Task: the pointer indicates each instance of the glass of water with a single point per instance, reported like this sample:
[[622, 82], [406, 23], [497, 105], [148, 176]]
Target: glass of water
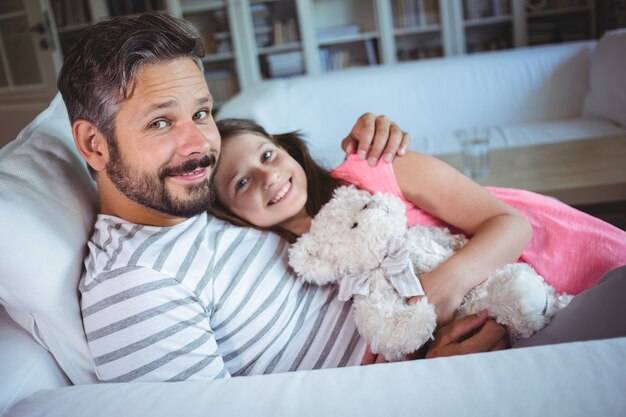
[[475, 151]]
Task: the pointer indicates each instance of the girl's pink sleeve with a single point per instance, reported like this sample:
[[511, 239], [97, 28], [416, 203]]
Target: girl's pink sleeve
[[380, 178]]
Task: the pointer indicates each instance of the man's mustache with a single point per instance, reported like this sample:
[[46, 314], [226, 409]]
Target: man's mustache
[[206, 161]]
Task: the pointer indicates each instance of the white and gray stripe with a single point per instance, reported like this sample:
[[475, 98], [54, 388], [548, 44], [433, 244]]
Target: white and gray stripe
[[204, 299]]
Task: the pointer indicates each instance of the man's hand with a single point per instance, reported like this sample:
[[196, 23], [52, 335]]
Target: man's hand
[[375, 136], [370, 357], [456, 338]]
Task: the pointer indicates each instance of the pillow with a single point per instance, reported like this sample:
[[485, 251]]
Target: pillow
[[48, 204], [607, 90]]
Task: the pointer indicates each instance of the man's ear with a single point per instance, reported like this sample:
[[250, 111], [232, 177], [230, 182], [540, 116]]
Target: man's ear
[[91, 144]]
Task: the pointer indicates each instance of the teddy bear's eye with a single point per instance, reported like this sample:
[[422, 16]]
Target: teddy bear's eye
[[354, 225], [365, 206]]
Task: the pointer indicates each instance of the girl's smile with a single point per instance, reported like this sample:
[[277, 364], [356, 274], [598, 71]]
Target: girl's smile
[[281, 193]]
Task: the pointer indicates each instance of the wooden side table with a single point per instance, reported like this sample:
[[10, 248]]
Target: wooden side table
[[581, 172]]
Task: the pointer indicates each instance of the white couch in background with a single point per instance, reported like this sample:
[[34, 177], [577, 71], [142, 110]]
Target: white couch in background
[[529, 96], [47, 207]]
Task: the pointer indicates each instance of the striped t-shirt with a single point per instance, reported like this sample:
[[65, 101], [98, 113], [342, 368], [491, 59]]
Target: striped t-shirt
[[205, 299]]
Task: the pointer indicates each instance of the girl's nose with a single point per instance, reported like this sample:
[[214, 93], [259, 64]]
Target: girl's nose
[[268, 177]]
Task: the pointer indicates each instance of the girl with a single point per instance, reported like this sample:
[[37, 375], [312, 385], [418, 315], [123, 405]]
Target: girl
[[271, 182]]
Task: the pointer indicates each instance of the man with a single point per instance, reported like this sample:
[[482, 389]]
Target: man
[[168, 292]]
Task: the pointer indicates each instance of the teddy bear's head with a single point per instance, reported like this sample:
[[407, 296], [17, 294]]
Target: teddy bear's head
[[350, 235]]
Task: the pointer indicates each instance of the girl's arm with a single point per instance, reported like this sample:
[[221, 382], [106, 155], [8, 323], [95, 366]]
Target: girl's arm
[[499, 233]]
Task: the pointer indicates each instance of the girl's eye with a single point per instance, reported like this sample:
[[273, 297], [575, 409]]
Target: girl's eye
[[266, 155], [158, 124], [241, 183], [202, 114]]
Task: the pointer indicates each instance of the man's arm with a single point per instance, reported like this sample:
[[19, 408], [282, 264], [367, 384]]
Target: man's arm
[[375, 136], [144, 326]]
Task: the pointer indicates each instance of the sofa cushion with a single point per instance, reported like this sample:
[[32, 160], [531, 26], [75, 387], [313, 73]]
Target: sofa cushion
[[26, 367], [428, 99], [48, 204], [571, 379], [522, 134], [607, 90]]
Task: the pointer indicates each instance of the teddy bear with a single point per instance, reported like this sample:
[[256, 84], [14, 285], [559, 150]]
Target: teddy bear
[[361, 241]]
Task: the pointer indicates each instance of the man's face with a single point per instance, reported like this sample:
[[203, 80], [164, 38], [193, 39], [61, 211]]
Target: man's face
[[166, 141]]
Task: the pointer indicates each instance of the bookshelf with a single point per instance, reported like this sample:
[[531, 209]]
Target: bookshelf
[[72, 16], [213, 19], [346, 33], [418, 30], [248, 41], [488, 25], [552, 21], [277, 38]]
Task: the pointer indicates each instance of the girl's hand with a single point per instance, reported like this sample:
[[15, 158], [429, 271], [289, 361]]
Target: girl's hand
[[373, 136]]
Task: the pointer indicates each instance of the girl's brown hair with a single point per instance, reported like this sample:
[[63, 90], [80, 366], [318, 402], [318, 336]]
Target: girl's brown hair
[[320, 184]]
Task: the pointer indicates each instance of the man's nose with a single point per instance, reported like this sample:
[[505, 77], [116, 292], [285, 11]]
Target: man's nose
[[191, 140]]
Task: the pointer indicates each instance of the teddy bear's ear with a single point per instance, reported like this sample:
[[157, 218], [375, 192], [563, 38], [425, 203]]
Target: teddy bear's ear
[[307, 259]]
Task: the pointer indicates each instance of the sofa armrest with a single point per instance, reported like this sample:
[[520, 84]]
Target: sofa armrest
[[570, 379], [26, 367]]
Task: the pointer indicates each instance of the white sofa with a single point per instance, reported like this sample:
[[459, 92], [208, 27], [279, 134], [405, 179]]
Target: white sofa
[[528, 96], [47, 206]]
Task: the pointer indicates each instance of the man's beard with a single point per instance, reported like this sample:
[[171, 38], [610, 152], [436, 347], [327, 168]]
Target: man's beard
[[150, 191]]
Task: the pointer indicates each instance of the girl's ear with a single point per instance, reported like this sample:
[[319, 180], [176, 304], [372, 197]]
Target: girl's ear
[[91, 144]]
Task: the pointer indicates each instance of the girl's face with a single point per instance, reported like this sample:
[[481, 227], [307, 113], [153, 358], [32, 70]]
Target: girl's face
[[260, 182]]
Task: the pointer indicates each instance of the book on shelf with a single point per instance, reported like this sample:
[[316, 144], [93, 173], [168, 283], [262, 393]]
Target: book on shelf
[[420, 52], [270, 30], [370, 50], [493, 44], [479, 9], [334, 59], [216, 42], [70, 12], [336, 32], [284, 31], [222, 84], [124, 7], [556, 4], [197, 4], [411, 13], [565, 29], [285, 64]]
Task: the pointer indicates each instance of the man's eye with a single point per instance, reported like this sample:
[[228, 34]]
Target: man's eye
[[241, 183], [158, 124], [202, 114], [266, 155]]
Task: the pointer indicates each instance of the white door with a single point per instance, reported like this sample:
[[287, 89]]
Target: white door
[[30, 59]]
